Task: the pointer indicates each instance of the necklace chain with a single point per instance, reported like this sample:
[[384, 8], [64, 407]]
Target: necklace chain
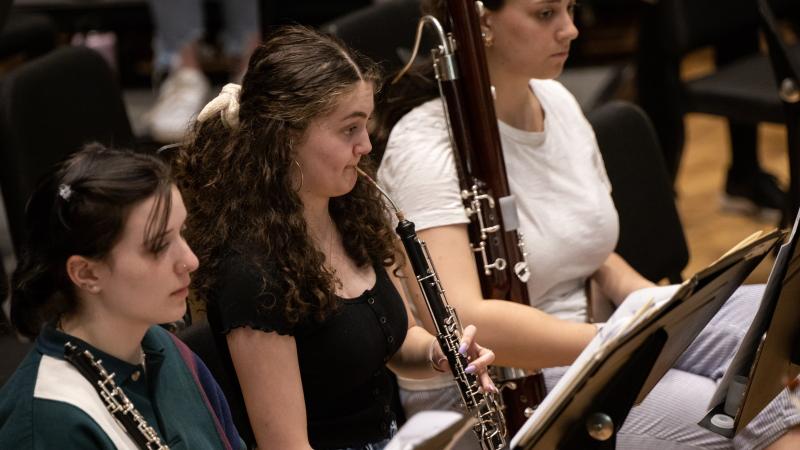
[[331, 257]]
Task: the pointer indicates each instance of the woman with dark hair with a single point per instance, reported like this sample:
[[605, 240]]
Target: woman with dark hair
[[570, 226], [104, 262], [298, 249]]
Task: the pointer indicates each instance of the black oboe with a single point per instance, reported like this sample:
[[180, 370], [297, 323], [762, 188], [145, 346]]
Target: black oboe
[[115, 400], [490, 425]]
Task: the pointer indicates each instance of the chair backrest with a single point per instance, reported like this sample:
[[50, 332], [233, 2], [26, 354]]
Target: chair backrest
[[651, 235], [212, 349], [4, 285], [49, 108], [784, 66], [785, 62], [383, 31], [5, 6], [685, 25]]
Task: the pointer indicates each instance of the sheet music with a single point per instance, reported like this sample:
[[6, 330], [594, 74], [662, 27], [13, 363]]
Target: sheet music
[[740, 365], [424, 426], [635, 309]]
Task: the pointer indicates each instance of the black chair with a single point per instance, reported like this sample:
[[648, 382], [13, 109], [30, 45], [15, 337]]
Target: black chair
[[23, 34], [740, 89], [383, 31], [651, 236], [4, 284], [785, 61], [5, 8], [12, 350], [213, 350], [49, 108], [27, 36]]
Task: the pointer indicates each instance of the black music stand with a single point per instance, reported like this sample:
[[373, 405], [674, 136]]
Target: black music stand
[[770, 352], [590, 405]]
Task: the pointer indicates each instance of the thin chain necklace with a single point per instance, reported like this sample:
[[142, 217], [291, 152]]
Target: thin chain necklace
[[331, 256], [331, 259]]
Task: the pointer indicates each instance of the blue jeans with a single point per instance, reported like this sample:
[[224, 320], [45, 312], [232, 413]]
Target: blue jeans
[[179, 22]]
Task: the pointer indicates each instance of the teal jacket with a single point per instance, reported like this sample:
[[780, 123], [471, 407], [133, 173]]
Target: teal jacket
[[47, 404]]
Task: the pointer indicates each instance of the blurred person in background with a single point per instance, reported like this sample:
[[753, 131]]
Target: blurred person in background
[[179, 26]]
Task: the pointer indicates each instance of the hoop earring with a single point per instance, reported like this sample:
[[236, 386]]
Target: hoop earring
[[299, 169]]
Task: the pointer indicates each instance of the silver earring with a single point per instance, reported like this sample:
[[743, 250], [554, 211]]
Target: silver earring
[[488, 38], [299, 169]]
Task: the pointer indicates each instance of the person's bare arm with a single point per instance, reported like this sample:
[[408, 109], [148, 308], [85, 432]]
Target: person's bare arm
[[616, 279], [519, 335], [269, 376], [421, 351]]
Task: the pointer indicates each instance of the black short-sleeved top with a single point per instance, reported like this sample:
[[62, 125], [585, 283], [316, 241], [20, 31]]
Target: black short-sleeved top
[[347, 387]]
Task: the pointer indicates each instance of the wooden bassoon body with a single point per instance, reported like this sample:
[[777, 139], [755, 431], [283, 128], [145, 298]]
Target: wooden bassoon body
[[465, 88]]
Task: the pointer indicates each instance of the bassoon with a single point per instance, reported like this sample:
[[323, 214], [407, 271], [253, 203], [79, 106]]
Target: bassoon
[[463, 78]]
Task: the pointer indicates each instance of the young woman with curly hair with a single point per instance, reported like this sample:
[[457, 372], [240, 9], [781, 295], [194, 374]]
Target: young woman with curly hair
[[298, 251]]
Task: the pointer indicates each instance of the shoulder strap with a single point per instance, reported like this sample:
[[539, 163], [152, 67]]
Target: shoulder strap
[[59, 381]]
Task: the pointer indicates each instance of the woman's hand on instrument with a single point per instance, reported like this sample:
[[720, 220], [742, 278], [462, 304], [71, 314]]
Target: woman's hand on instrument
[[478, 358]]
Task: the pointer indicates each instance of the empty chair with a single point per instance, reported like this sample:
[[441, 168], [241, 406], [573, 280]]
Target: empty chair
[[785, 61], [25, 35], [12, 350], [49, 108], [383, 31], [739, 89]]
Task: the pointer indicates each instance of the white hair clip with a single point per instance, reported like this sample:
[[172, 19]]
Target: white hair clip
[[64, 191], [226, 104]]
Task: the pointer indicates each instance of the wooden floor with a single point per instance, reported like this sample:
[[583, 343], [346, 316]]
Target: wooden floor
[[710, 231]]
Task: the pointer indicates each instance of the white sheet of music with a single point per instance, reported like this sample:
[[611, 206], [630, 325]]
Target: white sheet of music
[[426, 425]]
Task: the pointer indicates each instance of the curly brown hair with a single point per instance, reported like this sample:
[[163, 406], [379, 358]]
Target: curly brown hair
[[238, 182]]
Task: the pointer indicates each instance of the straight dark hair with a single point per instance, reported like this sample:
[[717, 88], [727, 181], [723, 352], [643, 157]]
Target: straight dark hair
[[81, 208]]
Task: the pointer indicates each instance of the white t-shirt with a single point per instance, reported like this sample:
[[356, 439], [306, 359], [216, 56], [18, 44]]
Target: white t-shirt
[[558, 177]]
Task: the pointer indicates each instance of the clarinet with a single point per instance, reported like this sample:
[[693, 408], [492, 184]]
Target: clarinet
[[490, 427], [499, 247], [116, 402]]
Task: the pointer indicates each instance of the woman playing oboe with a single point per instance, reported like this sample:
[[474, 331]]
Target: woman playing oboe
[[104, 262], [570, 226], [298, 249]]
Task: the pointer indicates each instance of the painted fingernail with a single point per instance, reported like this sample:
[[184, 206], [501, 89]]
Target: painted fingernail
[[463, 349], [470, 368]]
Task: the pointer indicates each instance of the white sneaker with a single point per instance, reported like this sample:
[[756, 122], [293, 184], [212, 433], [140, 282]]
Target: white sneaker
[[180, 98]]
